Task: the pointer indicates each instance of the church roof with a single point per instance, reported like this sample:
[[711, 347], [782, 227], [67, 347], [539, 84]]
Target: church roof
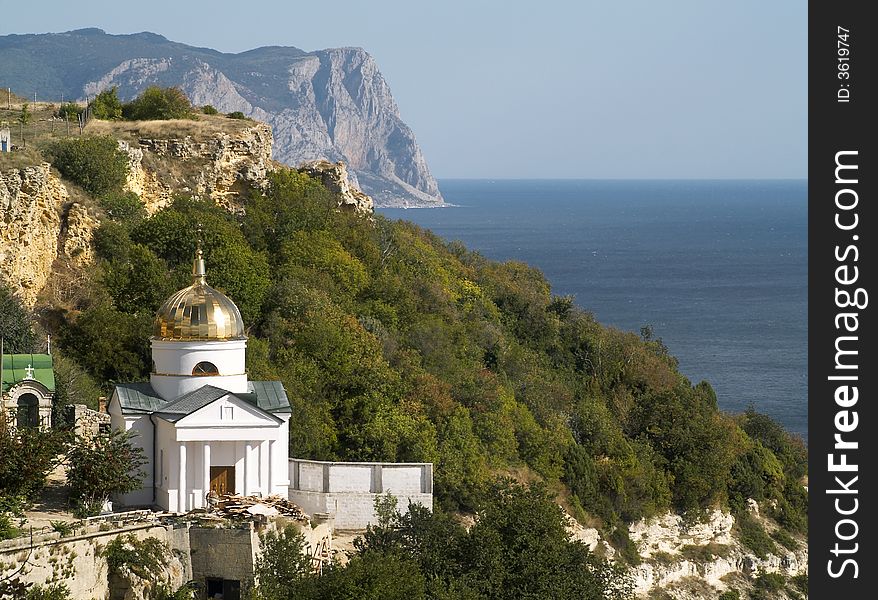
[[189, 403], [16, 368], [269, 396]]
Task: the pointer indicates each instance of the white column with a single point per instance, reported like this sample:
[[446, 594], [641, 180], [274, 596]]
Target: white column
[[248, 467], [206, 474], [181, 493], [264, 483], [271, 454]]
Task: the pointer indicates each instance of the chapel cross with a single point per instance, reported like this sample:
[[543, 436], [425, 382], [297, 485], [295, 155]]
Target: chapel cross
[[29, 372]]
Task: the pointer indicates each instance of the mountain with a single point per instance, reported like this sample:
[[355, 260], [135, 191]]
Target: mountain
[[331, 104]]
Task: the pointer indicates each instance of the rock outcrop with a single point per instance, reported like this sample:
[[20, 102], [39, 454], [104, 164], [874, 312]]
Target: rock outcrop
[[219, 167], [331, 104], [336, 179], [693, 560], [32, 201]]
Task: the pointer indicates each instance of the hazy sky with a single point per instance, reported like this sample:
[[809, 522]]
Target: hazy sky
[[610, 89]]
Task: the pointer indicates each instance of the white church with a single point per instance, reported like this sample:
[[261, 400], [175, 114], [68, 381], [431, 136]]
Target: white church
[[203, 426]]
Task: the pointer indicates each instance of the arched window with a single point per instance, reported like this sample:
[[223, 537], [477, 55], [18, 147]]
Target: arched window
[[205, 368]]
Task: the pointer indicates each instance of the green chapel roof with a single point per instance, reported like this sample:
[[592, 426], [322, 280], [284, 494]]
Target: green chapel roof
[[15, 370]]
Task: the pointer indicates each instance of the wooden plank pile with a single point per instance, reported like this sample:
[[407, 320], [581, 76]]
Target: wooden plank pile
[[233, 506]]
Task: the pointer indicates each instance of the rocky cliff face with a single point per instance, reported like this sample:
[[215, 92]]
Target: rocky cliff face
[[219, 167], [332, 105], [695, 560], [32, 203], [42, 230]]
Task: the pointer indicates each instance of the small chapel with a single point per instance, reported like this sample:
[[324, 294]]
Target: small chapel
[[203, 426]]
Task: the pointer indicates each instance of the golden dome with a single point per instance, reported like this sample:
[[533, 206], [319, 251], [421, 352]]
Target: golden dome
[[198, 312]]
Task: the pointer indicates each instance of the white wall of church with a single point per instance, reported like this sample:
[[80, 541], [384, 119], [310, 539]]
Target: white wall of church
[[175, 360], [142, 427]]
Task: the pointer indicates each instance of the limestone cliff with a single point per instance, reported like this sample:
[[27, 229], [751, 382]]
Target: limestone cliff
[[218, 167], [696, 560], [44, 232], [32, 203], [336, 179], [330, 104]]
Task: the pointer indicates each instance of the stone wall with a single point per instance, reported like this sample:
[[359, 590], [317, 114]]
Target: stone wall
[[86, 422], [346, 492]]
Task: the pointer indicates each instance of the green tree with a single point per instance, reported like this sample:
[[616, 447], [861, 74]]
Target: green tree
[[101, 467], [158, 103], [72, 386], [282, 564], [29, 455], [15, 324], [25, 116], [93, 162], [107, 106], [110, 344]]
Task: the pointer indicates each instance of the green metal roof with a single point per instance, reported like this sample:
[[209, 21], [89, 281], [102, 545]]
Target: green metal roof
[[141, 398], [270, 396], [138, 397], [15, 370]]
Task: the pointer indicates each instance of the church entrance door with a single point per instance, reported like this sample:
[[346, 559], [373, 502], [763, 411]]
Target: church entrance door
[[222, 480]]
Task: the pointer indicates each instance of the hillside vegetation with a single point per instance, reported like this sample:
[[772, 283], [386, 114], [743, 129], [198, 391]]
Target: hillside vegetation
[[395, 345]]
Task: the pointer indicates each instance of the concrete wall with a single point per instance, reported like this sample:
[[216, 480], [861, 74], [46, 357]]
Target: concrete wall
[[347, 491]]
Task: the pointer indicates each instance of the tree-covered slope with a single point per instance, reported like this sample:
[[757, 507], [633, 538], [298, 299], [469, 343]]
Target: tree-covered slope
[[394, 345]]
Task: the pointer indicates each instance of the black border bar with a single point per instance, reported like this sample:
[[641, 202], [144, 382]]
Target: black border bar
[[842, 227]]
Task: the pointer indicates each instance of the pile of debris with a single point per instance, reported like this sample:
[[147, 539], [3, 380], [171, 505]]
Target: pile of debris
[[233, 506]]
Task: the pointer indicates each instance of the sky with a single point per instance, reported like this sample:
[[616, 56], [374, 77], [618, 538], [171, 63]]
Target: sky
[[551, 89]]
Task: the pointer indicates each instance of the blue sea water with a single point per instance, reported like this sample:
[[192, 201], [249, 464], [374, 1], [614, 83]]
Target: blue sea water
[[717, 268]]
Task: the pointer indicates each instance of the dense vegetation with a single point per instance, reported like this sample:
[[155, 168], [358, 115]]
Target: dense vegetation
[[394, 345], [517, 548]]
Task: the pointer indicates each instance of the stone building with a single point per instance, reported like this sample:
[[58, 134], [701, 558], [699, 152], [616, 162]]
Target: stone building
[[202, 424], [27, 390]]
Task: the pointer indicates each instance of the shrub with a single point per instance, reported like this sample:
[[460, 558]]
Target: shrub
[[15, 324], [753, 536], [627, 548], [236, 115], [157, 103], [7, 529], [785, 539], [69, 110], [62, 527], [770, 582], [52, 591], [123, 206], [95, 163], [730, 595], [209, 110], [144, 558]]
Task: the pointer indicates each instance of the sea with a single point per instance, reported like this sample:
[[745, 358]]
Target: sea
[[718, 269]]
